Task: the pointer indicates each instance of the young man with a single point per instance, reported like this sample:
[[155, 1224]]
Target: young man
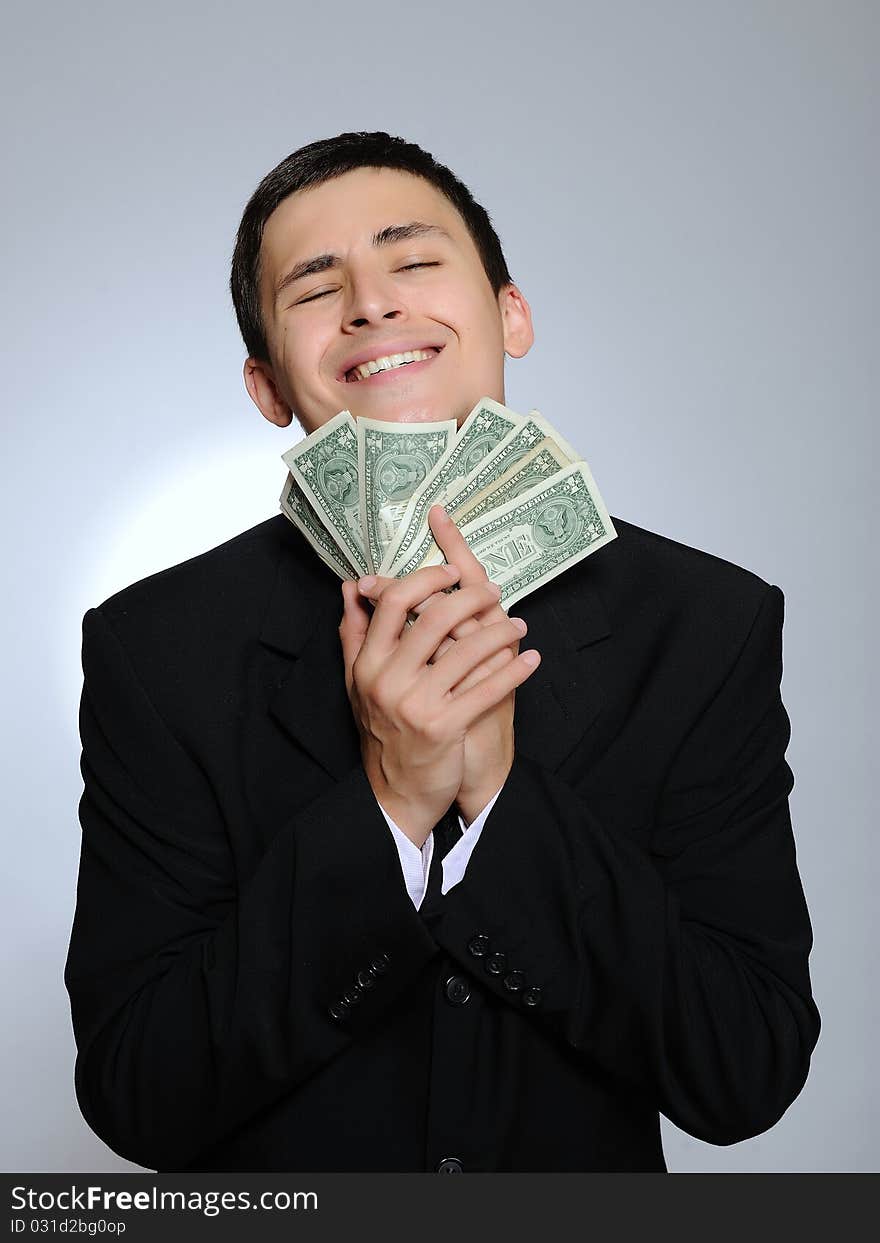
[[258, 979]]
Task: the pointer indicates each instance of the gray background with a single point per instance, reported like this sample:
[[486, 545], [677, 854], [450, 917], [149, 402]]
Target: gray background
[[687, 193]]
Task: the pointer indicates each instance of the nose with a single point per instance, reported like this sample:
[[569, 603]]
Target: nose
[[373, 296]]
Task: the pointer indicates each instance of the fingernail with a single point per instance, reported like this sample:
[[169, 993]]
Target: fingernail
[[366, 582], [530, 657], [451, 570], [440, 513], [519, 624]]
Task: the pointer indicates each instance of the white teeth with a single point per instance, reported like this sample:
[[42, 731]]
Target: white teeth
[[388, 361]]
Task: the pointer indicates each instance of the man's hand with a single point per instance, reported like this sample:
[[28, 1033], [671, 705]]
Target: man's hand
[[412, 715], [489, 743]]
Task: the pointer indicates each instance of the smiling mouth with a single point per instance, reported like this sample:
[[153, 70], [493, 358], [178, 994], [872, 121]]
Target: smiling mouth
[[354, 375]]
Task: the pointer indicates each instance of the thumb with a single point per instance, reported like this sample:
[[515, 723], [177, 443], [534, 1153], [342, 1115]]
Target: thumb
[[352, 628]]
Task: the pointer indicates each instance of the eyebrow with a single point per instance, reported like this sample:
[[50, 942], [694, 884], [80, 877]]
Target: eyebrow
[[385, 237]]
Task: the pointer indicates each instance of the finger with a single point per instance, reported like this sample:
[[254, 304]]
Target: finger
[[471, 704], [373, 592], [444, 647], [371, 586], [353, 628], [455, 547], [496, 661], [389, 616], [378, 583], [466, 627], [433, 626], [456, 550], [494, 612], [470, 653], [487, 617]]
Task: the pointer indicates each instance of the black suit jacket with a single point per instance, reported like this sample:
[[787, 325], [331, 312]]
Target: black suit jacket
[[251, 985]]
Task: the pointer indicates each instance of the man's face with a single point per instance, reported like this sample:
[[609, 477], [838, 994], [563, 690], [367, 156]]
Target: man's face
[[374, 302]]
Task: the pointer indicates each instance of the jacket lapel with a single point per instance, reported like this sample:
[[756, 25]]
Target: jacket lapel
[[301, 623], [555, 707], [561, 702]]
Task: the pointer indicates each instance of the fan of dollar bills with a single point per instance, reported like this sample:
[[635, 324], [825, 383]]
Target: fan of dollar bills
[[524, 500]]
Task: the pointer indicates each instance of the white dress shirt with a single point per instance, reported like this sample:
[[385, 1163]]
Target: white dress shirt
[[416, 863]]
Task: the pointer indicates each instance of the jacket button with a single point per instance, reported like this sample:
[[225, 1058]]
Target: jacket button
[[495, 963], [378, 967], [338, 1011], [478, 945], [456, 990], [532, 996], [365, 980], [449, 1165], [352, 997], [514, 981]]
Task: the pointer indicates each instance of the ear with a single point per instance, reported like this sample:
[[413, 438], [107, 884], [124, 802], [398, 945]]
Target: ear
[[259, 381], [516, 316]]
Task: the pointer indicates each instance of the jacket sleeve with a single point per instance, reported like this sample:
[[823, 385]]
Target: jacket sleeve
[[196, 999], [679, 967]]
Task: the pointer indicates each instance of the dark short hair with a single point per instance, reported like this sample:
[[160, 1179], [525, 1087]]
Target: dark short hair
[[318, 162]]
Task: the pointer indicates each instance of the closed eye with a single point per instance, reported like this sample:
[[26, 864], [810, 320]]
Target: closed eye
[[314, 297], [434, 263]]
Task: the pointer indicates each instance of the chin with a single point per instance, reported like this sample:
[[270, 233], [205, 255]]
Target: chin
[[403, 413]]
